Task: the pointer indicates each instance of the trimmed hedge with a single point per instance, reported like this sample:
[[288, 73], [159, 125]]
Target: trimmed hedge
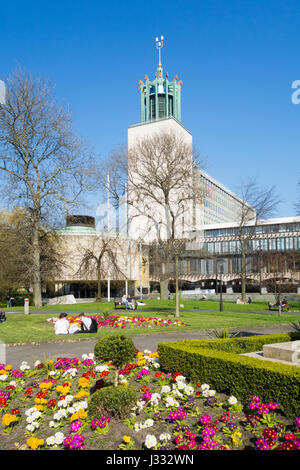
[[218, 362]]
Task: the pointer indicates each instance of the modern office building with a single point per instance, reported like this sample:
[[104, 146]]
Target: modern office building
[[273, 254]]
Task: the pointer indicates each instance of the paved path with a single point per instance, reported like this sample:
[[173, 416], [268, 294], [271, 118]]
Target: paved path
[[16, 354]]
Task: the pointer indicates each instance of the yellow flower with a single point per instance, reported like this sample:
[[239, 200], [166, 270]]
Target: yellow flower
[[82, 394], [126, 439], [45, 385], [39, 407], [7, 419], [83, 382], [40, 401], [8, 367], [34, 442], [81, 414]]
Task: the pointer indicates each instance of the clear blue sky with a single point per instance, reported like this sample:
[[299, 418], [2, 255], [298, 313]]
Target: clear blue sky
[[237, 61]]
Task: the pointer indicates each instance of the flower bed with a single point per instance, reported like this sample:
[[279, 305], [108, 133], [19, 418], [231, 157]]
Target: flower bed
[[117, 321], [46, 406]]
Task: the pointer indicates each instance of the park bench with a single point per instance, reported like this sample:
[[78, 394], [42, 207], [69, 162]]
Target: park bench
[[276, 307], [118, 304]]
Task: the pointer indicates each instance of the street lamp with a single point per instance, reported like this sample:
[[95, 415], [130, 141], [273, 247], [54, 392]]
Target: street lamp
[[220, 269]]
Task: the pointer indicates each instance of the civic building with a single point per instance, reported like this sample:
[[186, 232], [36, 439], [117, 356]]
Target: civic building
[[211, 231]]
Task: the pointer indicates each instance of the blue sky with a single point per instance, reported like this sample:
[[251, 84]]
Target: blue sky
[[237, 61]]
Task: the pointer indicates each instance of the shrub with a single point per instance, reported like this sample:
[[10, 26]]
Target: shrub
[[114, 401], [218, 363], [116, 348]]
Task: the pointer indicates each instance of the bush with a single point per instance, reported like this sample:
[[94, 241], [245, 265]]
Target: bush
[[219, 363], [114, 401], [116, 348]]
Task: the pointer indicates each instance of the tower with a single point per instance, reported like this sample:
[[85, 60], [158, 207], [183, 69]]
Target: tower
[[160, 98], [160, 102]]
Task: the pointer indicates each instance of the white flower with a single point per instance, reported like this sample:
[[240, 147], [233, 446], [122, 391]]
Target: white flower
[[165, 389], [211, 393], [101, 368], [71, 410], [62, 403], [37, 363], [13, 383], [165, 437], [51, 424], [148, 423], [188, 390], [50, 441], [150, 441], [3, 377], [156, 365], [170, 402], [35, 424], [146, 352], [24, 366], [232, 400], [180, 378], [69, 398], [155, 398], [59, 437], [204, 387], [30, 427]]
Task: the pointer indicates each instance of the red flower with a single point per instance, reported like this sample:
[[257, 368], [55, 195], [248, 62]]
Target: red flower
[[51, 403], [15, 411]]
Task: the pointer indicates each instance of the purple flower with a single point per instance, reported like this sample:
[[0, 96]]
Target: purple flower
[[178, 414], [262, 444], [205, 419]]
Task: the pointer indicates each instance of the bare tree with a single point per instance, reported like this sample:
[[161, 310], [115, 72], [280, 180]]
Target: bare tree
[[101, 258], [256, 204], [16, 268], [43, 165], [159, 174]]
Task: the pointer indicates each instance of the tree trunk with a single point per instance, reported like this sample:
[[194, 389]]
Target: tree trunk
[[99, 285], [177, 289], [37, 287], [243, 271], [164, 289]]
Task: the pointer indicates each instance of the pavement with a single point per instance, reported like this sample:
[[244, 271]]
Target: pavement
[[14, 355]]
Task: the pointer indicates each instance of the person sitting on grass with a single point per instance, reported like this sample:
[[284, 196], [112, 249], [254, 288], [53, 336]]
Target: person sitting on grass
[[2, 316], [88, 325], [62, 325]]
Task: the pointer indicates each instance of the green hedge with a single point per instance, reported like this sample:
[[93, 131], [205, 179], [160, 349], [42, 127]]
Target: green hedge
[[218, 362]]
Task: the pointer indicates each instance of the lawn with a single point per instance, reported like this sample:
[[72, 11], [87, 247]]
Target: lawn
[[21, 328], [159, 306]]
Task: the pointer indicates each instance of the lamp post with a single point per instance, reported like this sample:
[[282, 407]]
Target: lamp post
[[220, 271]]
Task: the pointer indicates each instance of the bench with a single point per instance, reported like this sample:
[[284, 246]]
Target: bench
[[276, 307], [118, 304]]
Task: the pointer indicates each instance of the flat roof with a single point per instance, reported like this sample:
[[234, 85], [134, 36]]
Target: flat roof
[[273, 221]]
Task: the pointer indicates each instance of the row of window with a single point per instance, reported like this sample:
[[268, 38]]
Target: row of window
[[234, 247], [260, 229]]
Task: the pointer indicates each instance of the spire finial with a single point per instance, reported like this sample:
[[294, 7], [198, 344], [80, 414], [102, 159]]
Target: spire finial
[[159, 45]]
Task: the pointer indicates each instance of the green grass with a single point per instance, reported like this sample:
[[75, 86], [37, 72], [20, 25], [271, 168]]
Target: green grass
[[160, 306], [21, 328]]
